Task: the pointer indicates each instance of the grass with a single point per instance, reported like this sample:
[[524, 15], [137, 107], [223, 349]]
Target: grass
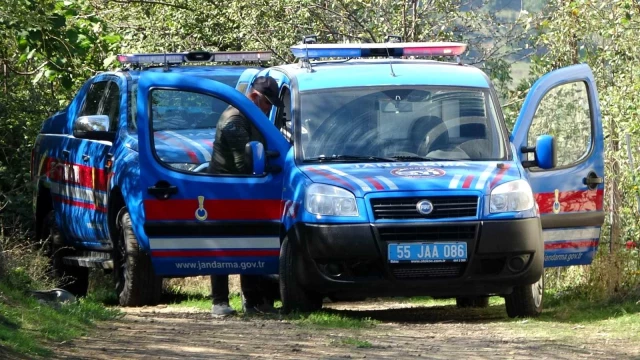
[[565, 317], [322, 319], [325, 319], [26, 325], [350, 341]]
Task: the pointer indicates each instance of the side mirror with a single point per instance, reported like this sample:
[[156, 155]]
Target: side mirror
[[255, 157], [544, 151], [94, 127]]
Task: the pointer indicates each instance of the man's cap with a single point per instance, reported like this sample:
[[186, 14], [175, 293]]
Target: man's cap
[[268, 87]]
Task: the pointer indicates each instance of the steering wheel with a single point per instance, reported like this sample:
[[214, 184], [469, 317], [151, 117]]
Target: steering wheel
[[438, 130], [202, 167]]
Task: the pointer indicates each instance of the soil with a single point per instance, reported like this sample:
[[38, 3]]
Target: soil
[[404, 331]]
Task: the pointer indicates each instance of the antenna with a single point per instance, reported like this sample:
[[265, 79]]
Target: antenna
[[393, 39], [306, 40]]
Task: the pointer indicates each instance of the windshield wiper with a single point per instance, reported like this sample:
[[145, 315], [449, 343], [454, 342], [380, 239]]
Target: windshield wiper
[[421, 158], [350, 158]]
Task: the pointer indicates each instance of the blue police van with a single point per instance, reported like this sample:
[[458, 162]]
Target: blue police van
[[384, 174]]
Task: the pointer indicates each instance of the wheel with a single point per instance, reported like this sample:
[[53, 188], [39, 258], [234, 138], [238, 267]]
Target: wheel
[[74, 279], [294, 297], [525, 301], [136, 282], [472, 302]]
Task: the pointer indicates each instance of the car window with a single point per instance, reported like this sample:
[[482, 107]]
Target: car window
[[183, 124], [94, 96], [564, 113], [111, 105], [230, 80]]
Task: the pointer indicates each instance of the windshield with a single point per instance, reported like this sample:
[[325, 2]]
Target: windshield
[[400, 123]]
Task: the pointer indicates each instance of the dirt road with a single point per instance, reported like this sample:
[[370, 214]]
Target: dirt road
[[402, 331]]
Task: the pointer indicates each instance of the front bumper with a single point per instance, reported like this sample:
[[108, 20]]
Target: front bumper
[[352, 258]]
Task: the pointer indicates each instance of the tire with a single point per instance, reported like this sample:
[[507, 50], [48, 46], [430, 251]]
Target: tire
[[472, 302], [293, 296], [74, 279], [525, 301], [136, 282]]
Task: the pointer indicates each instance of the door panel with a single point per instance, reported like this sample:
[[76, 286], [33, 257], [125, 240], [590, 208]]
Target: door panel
[[564, 103], [197, 222], [74, 185], [86, 175]]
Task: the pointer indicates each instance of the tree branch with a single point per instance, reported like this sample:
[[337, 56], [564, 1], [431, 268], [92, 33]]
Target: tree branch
[[153, 2], [27, 73]]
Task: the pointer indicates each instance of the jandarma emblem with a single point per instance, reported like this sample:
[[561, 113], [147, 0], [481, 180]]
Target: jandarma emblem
[[418, 172], [201, 212]]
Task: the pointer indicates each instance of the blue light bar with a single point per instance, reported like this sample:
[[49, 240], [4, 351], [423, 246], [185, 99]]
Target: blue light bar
[[314, 51], [195, 56]]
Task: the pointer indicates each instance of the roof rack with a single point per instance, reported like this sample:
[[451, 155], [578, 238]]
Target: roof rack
[[138, 60]]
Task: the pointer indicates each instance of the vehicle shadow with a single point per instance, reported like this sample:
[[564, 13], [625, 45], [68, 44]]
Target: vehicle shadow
[[424, 314]]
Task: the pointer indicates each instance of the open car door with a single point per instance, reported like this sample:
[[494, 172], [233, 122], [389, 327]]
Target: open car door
[[570, 196], [195, 222]]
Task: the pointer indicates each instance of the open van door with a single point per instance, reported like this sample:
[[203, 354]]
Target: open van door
[[570, 196], [198, 223]]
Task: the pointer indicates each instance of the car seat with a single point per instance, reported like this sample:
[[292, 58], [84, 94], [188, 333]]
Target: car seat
[[420, 128]]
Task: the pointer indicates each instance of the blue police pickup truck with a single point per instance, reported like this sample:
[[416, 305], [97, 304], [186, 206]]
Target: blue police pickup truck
[[384, 174]]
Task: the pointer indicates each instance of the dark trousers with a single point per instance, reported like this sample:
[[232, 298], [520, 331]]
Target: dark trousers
[[255, 288]]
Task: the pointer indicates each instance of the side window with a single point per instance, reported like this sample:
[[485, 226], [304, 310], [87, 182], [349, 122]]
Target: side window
[[111, 106], [92, 102], [132, 105], [564, 113], [283, 116], [184, 126]]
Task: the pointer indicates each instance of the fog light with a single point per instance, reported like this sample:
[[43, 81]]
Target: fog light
[[517, 263]]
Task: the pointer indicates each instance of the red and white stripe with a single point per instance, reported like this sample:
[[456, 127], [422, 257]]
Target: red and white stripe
[[455, 181], [485, 176], [360, 183], [186, 243], [390, 184], [219, 247], [88, 195], [571, 234]]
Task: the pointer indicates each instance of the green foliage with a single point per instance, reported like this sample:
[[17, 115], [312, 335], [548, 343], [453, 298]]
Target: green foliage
[[26, 323], [324, 319], [351, 341], [602, 34]]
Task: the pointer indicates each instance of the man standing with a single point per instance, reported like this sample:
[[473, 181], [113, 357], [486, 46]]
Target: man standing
[[233, 132]]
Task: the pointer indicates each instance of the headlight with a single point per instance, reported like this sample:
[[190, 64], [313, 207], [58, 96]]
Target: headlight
[[330, 200], [183, 166], [512, 196]]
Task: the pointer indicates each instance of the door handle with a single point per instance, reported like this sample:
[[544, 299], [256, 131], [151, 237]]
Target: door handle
[[66, 153], [162, 190], [592, 180], [86, 157]]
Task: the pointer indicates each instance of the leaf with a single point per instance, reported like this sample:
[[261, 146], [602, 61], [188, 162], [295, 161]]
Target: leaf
[[108, 61], [66, 81], [31, 53], [112, 38], [38, 76]]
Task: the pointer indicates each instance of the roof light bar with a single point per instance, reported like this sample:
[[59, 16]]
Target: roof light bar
[[195, 56], [314, 51]]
